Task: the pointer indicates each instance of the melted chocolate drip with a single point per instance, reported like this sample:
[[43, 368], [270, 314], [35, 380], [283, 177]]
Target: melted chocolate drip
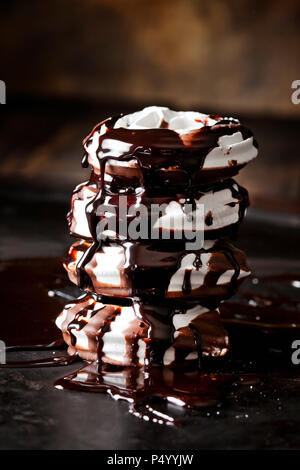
[[161, 148], [233, 281], [209, 218], [198, 343], [143, 198], [187, 286], [84, 280], [144, 280], [79, 322], [104, 329], [197, 263], [160, 329]]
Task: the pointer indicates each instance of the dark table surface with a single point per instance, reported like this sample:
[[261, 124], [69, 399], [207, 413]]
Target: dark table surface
[[35, 415]]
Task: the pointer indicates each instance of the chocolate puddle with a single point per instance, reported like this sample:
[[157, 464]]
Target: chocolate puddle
[[266, 304], [143, 389], [28, 325], [24, 321], [269, 302]]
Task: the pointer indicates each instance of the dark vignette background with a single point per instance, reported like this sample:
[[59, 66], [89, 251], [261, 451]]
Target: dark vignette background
[[67, 64]]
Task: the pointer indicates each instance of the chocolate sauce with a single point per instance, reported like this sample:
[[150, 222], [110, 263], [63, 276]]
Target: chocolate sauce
[[29, 317], [156, 149], [105, 328], [149, 267], [233, 281], [198, 342], [197, 263], [160, 329], [84, 280], [79, 322], [145, 389], [270, 303], [187, 286], [209, 218], [141, 199]]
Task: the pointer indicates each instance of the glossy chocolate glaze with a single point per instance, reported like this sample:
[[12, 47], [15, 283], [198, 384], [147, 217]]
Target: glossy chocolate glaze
[[87, 316], [157, 149], [142, 198], [153, 150], [147, 270]]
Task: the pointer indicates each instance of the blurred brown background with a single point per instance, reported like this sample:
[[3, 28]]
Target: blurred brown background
[[69, 63]]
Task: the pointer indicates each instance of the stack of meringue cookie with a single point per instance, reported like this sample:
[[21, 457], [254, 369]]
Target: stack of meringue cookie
[[152, 300]]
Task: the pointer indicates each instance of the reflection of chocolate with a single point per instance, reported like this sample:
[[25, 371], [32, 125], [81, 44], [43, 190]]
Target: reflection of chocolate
[[141, 390], [270, 303]]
